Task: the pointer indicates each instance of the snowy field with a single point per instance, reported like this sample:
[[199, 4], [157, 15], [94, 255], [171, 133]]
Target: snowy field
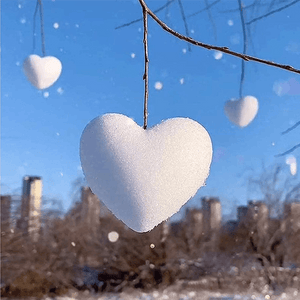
[[174, 294]]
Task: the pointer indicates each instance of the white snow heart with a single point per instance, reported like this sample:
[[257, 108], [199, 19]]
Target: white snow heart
[[144, 176], [241, 112], [42, 72]]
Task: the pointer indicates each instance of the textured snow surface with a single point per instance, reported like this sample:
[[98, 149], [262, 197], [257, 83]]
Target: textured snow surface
[[42, 72], [175, 295], [144, 176], [241, 112]]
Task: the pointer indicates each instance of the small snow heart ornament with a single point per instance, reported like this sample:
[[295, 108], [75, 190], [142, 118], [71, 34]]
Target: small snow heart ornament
[[42, 72], [241, 112], [144, 176]]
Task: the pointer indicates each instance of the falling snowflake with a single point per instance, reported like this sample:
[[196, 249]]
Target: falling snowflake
[[152, 246], [76, 25], [287, 87], [113, 236], [57, 133], [22, 20], [73, 244], [19, 6], [230, 22], [184, 51], [181, 80], [46, 94], [218, 55], [18, 63], [55, 25], [60, 90], [132, 55], [192, 31], [158, 85]]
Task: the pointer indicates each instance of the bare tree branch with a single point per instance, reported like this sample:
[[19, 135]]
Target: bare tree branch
[[211, 47], [237, 9], [211, 19], [289, 151], [272, 12], [141, 19], [271, 4], [254, 4], [184, 21], [289, 195], [204, 9], [291, 128]]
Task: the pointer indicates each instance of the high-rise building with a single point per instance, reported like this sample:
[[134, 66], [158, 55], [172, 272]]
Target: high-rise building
[[30, 221], [212, 216], [90, 210], [5, 213], [194, 219], [242, 213], [194, 228], [292, 216], [258, 216]]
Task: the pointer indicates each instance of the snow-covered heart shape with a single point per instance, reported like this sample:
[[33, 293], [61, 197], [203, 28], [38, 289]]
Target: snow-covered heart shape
[[144, 176], [42, 72], [241, 112]]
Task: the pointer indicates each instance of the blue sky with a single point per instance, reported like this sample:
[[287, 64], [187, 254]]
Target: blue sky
[[102, 73]]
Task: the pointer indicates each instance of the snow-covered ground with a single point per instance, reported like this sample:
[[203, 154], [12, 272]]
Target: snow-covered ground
[[175, 294]]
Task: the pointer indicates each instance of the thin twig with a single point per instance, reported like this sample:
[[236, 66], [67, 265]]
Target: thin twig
[[211, 19], [272, 12], [271, 4], [249, 38], [291, 128], [247, 7], [245, 47], [167, 12], [211, 47], [141, 19], [289, 151], [294, 189], [204, 9], [145, 77], [237, 9], [184, 21]]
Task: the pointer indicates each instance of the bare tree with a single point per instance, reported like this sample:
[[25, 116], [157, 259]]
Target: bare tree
[[276, 187]]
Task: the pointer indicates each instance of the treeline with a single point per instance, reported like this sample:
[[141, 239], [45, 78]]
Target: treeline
[[73, 254]]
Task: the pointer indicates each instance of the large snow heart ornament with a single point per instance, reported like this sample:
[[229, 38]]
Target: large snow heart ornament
[[42, 72], [241, 112], [144, 176]]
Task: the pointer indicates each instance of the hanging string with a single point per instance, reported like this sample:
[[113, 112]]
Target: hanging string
[[39, 5], [245, 47]]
